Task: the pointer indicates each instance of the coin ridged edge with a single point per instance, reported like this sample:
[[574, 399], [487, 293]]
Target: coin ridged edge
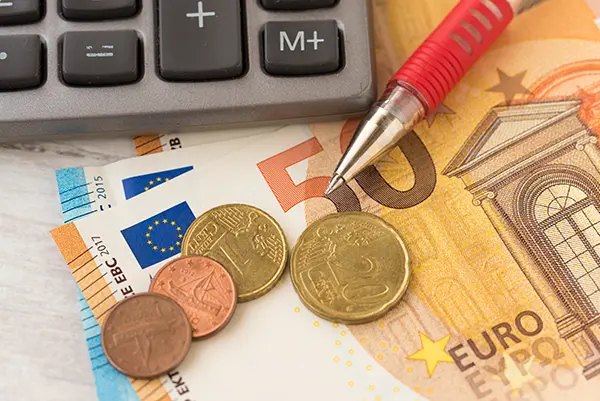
[[275, 279], [146, 377], [235, 293], [363, 318]]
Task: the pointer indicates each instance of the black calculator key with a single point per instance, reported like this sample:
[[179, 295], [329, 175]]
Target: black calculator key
[[20, 62], [14, 12], [296, 4], [100, 58], [97, 10], [200, 40], [301, 47]]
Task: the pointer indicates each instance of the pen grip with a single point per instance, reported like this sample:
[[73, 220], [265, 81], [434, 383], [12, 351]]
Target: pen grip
[[456, 44]]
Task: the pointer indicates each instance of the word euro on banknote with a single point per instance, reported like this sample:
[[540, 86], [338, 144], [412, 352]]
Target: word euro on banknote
[[114, 254], [497, 197]]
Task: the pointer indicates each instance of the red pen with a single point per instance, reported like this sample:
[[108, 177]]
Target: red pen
[[423, 82]]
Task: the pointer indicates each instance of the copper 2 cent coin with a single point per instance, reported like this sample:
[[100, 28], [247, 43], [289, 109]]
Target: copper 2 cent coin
[[203, 288], [146, 335]]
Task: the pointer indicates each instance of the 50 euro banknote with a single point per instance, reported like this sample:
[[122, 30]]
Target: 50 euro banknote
[[273, 348]]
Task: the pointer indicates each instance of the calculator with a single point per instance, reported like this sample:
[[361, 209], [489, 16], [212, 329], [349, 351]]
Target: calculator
[[70, 67]]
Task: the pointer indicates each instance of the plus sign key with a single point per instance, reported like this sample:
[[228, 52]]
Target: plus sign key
[[302, 47], [200, 40]]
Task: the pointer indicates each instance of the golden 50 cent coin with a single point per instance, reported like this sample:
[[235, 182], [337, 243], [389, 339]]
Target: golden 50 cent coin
[[248, 242], [350, 267]]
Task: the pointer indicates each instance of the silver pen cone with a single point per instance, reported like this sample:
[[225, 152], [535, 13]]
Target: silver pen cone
[[394, 116], [336, 182]]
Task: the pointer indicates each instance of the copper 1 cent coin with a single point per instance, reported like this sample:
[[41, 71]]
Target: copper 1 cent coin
[[146, 335], [203, 288]]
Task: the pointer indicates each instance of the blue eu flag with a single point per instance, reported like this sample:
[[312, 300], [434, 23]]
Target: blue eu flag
[[159, 237], [134, 186]]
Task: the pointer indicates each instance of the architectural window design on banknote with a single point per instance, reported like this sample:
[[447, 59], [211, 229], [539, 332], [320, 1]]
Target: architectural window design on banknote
[[534, 170]]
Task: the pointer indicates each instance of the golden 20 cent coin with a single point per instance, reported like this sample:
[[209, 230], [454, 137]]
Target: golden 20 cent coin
[[146, 335], [248, 242], [350, 267]]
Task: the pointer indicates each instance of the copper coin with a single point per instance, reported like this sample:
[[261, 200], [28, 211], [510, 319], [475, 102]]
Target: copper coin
[[146, 335], [203, 288]]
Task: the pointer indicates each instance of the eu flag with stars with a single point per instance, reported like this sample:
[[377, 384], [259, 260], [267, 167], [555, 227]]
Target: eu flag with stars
[[159, 237], [134, 186]]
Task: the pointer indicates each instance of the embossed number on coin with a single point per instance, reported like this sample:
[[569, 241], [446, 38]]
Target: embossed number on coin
[[203, 288], [244, 239], [146, 335], [350, 267]]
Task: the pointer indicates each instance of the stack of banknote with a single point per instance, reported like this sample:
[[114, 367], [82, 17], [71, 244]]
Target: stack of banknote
[[497, 197]]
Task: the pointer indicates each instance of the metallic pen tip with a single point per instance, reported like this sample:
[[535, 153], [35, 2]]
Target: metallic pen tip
[[336, 182]]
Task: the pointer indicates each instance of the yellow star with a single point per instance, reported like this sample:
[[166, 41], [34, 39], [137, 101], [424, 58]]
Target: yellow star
[[166, 179], [165, 221], [158, 179], [155, 247], [149, 242], [178, 228], [146, 188], [151, 183], [172, 223], [180, 236], [163, 250], [156, 222], [432, 352], [178, 243], [150, 227], [171, 248], [148, 234]]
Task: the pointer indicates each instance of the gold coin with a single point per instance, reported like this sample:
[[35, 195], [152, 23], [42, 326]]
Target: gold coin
[[248, 242], [350, 267]]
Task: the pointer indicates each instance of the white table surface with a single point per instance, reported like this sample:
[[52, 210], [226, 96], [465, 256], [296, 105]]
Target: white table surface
[[43, 355]]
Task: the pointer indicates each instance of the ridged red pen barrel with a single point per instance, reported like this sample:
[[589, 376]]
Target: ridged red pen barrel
[[449, 52]]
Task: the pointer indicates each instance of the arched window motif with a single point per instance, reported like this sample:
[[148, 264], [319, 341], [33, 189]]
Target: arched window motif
[[570, 220], [556, 198]]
